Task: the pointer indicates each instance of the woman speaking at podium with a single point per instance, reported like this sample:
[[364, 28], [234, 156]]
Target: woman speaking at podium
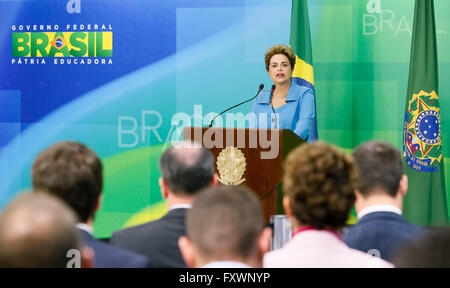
[[289, 105]]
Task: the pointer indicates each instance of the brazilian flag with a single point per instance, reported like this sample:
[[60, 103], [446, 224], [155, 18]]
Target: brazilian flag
[[300, 42], [425, 203]]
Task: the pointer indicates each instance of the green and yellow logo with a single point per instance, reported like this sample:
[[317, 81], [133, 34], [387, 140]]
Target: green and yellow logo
[[62, 44]]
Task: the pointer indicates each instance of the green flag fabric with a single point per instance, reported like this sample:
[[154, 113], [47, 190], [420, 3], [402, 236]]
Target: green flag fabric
[[425, 203], [300, 42]]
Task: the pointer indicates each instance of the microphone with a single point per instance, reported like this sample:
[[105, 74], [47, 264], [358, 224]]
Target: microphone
[[273, 110], [259, 90], [271, 92]]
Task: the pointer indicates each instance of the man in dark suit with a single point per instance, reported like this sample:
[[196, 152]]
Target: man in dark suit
[[186, 169], [381, 229], [73, 172]]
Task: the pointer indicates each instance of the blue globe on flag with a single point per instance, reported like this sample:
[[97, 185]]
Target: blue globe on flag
[[428, 127], [59, 42]]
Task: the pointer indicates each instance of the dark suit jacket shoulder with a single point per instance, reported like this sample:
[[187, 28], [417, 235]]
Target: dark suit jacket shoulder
[[158, 240], [384, 231], [108, 256]]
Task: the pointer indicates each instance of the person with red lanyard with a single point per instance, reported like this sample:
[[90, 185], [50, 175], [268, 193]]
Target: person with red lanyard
[[318, 185]]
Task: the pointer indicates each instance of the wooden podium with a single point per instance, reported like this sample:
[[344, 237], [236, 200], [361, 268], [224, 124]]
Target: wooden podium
[[261, 153]]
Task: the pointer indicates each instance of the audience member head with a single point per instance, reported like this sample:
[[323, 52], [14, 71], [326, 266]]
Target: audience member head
[[430, 251], [186, 169], [225, 223], [381, 178], [73, 172], [318, 184], [37, 231]]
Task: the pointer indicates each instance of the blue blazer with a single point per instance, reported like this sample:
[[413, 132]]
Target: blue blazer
[[108, 256], [384, 231], [297, 114]]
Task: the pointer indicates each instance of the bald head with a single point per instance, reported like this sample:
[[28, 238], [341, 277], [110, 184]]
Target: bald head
[[187, 154], [187, 168], [37, 230]]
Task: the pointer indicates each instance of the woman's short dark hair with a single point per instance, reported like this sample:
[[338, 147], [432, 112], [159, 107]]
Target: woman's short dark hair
[[280, 49], [320, 181]]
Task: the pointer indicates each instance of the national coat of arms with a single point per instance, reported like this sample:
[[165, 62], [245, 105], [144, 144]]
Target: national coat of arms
[[422, 143], [231, 165]]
